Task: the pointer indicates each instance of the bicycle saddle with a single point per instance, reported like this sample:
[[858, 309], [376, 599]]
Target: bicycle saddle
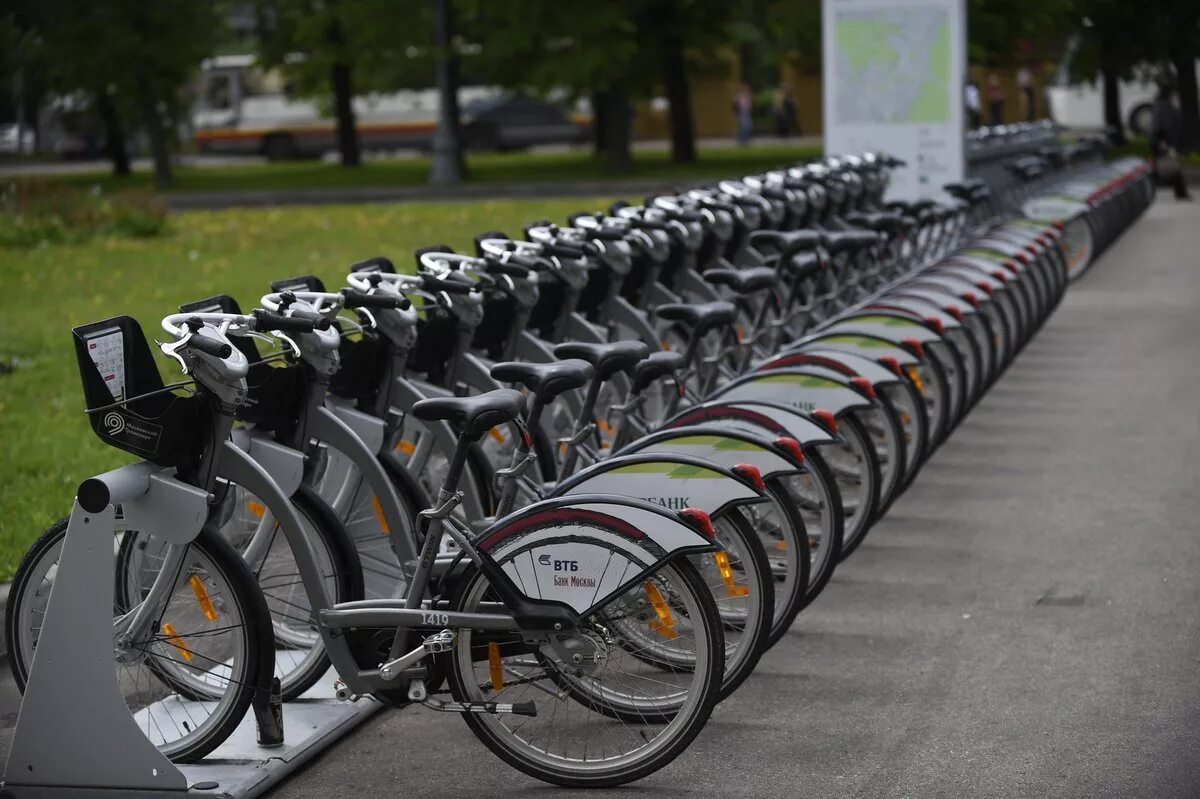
[[545, 380], [473, 415], [606, 359], [656, 365], [883, 221], [806, 265], [848, 240], [701, 316], [743, 281], [788, 242]]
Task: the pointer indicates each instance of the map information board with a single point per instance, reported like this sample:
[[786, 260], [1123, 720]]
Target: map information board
[[893, 82]]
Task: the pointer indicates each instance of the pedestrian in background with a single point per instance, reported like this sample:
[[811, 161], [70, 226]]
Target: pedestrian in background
[[1166, 140], [743, 102], [974, 117], [1028, 100], [783, 108], [995, 98]]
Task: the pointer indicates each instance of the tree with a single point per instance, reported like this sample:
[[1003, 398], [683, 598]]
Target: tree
[[335, 49], [132, 58], [586, 49], [448, 166]]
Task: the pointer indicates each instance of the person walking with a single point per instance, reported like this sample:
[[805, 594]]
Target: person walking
[[1028, 98], [974, 115], [743, 101], [783, 108], [1166, 140], [995, 98]]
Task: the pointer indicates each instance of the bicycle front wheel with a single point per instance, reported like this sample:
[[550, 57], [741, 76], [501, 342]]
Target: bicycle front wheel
[[189, 677]]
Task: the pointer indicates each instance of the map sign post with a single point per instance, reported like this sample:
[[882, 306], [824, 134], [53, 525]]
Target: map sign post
[[893, 82]]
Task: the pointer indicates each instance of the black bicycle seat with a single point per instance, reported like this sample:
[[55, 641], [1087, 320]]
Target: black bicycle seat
[[545, 380], [743, 281], [473, 415], [787, 242], [606, 359], [848, 240], [656, 365], [804, 265], [701, 316], [884, 221]]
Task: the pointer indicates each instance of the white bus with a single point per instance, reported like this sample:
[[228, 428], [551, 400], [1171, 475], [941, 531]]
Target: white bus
[[242, 108]]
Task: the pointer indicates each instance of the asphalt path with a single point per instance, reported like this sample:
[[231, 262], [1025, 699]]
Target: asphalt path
[[1025, 621]]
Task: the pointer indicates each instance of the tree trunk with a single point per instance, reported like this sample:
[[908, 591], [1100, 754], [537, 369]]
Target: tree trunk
[[341, 79], [679, 95], [160, 151], [448, 166], [1112, 102], [114, 133], [618, 156], [1189, 94], [599, 129]]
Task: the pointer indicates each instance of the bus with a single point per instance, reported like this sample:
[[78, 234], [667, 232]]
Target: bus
[[244, 109]]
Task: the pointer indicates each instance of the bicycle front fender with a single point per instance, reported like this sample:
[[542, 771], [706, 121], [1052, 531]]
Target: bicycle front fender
[[580, 551]]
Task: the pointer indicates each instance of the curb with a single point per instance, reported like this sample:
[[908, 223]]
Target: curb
[[200, 200]]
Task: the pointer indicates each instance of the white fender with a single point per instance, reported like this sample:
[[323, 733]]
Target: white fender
[[582, 550]]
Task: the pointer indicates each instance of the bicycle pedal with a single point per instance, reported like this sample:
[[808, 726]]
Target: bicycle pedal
[[439, 642]]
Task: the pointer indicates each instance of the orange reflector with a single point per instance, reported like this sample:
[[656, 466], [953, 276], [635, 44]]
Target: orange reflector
[[497, 435], [739, 334], [257, 508], [915, 377], [781, 546], [495, 667], [206, 605], [176, 641], [664, 625], [605, 427], [407, 447], [726, 571], [379, 517]]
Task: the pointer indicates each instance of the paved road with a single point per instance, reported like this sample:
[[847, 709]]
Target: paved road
[[1026, 621]]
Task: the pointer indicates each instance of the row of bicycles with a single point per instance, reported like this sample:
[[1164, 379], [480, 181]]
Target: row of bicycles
[[571, 485]]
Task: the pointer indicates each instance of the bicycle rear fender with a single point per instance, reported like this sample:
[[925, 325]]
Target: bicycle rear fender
[[796, 388], [672, 481], [582, 550], [757, 417], [872, 347], [845, 364], [719, 445], [890, 326]]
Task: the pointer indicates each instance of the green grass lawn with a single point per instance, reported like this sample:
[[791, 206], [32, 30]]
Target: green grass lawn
[[484, 168], [46, 445]]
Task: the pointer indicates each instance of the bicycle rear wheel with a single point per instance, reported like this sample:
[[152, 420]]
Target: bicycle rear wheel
[[576, 741]]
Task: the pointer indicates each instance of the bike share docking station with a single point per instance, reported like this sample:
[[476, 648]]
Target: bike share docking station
[[75, 738]]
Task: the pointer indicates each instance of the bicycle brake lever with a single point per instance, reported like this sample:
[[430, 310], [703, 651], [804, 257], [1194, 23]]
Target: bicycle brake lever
[[171, 350]]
